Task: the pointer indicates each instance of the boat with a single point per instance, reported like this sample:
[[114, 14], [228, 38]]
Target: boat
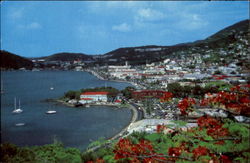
[[17, 110], [19, 124], [51, 88], [87, 105], [2, 91], [51, 112]]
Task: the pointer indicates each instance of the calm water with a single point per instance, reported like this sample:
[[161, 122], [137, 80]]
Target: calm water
[[74, 127]]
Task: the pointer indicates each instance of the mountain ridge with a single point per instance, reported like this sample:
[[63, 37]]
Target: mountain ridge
[[153, 53]]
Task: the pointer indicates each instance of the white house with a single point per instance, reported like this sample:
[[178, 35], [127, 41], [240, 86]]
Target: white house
[[89, 97]]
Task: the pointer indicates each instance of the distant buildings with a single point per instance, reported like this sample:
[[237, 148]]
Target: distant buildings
[[89, 97], [121, 72]]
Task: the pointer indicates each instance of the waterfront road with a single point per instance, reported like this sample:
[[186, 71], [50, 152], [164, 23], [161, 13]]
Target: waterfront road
[[140, 114], [136, 116]]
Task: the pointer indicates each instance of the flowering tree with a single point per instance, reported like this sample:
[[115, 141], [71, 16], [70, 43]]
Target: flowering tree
[[211, 141], [236, 101], [186, 105], [167, 96]]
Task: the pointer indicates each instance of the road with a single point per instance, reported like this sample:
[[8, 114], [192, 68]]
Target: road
[[140, 114]]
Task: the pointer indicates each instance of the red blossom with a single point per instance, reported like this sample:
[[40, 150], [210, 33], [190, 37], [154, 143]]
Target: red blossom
[[166, 97], [236, 101], [225, 159], [221, 142], [174, 151], [207, 121], [126, 149], [200, 151], [160, 128], [185, 105]]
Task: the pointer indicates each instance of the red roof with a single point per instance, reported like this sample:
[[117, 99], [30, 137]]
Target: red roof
[[118, 101], [94, 93], [86, 99]]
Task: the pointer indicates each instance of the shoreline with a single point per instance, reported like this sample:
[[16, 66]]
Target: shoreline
[[120, 133], [101, 78], [130, 107]]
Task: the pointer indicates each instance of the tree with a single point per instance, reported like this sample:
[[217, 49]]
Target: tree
[[72, 94], [127, 92], [175, 88], [128, 78]]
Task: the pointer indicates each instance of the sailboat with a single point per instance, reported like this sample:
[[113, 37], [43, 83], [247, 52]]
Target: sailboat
[[17, 110], [50, 112], [2, 91]]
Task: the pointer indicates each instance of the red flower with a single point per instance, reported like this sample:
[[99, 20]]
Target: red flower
[[160, 128], [225, 159], [221, 142], [185, 104], [207, 121], [244, 100], [200, 151], [166, 96], [126, 149], [174, 151]]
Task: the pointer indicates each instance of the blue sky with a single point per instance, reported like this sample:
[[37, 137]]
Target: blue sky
[[34, 29]]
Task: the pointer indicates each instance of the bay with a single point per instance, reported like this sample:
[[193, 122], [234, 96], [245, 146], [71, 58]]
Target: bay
[[74, 127]]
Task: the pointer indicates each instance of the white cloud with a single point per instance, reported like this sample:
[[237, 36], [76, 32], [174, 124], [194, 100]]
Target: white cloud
[[150, 14], [124, 27], [33, 25]]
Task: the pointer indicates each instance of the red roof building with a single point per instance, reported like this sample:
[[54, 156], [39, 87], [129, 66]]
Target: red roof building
[[90, 97]]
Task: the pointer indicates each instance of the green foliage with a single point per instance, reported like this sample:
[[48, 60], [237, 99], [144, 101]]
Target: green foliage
[[180, 123], [235, 145], [72, 94], [76, 94], [127, 92], [98, 142], [220, 85], [196, 91], [109, 158], [47, 153], [175, 88]]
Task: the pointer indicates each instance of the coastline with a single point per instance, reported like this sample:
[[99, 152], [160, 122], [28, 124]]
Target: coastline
[[118, 135], [101, 78]]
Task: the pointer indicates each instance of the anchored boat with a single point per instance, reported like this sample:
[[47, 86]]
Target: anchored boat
[[17, 110]]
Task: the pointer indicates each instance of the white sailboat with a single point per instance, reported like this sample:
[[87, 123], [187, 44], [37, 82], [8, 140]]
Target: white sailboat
[[2, 91], [51, 112], [17, 110], [19, 124]]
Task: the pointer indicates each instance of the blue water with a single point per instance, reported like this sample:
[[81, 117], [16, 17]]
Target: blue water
[[74, 127]]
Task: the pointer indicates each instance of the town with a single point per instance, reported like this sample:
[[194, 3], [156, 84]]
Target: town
[[125, 82]]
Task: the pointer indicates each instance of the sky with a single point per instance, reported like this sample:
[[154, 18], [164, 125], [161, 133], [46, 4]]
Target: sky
[[42, 28]]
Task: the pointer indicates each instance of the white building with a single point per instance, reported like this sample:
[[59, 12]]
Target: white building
[[122, 72], [89, 97]]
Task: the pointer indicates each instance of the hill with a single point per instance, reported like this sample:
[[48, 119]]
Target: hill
[[140, 55], [64, 56], [12, 61]]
